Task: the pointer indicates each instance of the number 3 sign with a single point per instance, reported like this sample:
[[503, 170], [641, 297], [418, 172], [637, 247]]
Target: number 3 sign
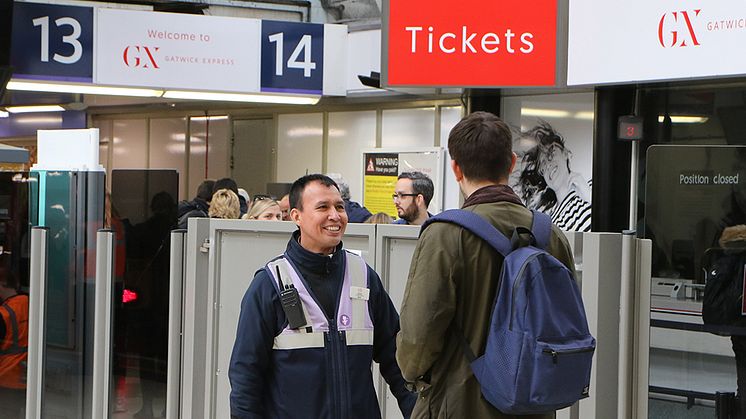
[[61, 47], [292, 57]]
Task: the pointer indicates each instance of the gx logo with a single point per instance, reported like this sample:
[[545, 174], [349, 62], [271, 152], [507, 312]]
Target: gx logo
[[678, 21], [140, 56]]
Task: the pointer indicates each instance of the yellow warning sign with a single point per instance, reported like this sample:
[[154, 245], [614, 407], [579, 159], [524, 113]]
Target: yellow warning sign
[[378, 191]]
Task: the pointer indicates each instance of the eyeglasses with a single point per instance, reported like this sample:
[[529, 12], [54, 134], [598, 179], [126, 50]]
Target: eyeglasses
[[399, 196]]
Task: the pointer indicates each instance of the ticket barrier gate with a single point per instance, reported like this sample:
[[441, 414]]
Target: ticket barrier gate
[[228, 252]]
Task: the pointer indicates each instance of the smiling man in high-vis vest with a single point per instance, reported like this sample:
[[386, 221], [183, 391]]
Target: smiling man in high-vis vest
[[313, 321], [13, 344]]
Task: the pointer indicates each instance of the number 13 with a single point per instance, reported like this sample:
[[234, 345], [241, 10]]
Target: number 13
[[71, 39]]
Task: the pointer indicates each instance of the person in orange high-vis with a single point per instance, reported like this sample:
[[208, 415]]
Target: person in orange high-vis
[[13, 345]]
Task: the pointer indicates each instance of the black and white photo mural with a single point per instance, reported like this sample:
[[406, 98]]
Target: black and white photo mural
[[553, 142]]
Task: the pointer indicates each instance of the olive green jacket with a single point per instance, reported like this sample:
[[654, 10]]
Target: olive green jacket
[[452, 283]]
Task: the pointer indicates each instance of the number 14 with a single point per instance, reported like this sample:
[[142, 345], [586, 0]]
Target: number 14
[[303, 47]]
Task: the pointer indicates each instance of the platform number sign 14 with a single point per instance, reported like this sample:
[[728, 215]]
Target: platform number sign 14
[[292, 57], [61, 46]]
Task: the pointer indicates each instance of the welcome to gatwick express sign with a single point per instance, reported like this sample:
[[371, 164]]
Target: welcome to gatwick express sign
[[473, 43]]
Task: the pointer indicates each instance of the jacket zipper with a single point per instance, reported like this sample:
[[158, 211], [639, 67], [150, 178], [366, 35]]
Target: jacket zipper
[[333, 339], [517, 285], [555, 354]]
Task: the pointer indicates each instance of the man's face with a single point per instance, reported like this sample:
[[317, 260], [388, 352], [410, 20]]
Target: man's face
[[323, 219], [406, 200], [285, 208]]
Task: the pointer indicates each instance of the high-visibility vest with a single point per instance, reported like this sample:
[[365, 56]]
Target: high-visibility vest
[[353, 316], [14, 345]]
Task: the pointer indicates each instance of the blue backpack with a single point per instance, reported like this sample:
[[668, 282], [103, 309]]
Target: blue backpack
[[539, 350]]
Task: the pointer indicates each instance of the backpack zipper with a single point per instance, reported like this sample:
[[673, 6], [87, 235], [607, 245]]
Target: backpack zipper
[[555, 353], [517, 284]]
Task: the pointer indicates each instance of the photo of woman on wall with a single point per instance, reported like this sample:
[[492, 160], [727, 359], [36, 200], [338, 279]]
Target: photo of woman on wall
[[544, 181]]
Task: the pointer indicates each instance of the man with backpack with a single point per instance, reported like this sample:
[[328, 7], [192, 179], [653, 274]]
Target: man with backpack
[[454, 279]]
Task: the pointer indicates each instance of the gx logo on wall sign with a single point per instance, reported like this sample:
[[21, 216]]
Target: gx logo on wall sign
[[679, 21], [140, 56]]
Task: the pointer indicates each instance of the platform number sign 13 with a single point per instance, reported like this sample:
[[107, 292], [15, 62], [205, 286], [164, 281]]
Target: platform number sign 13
[[52, 42], [292, 57]]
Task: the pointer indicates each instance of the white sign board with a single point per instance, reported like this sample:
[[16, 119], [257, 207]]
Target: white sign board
[[68, 149], [171, 50], [640, 40]]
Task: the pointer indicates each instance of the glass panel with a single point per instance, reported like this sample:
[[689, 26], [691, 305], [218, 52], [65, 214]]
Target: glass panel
[[14, 248], [554, 143], [299, 143], [449, 117], [404, 128], [349, 134], [70, 204], [143, 213], [692, 189]]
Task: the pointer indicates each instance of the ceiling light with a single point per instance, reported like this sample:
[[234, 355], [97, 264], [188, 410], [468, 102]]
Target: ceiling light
[[588, 115], [685, 119], [86, 89], [241, 97], [35, 108], [211, 118], [4, 114], [544, 113]]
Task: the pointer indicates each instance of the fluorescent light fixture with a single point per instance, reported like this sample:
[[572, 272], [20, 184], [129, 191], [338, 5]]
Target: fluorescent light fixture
[[39, 120], [87, 89], [35, 108], [242, 97], [211, 118], [685, 119], [544, 113], [4, 114], [587, 115]]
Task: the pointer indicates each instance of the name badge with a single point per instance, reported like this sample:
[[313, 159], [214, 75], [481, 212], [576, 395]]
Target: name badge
[[359, 293]]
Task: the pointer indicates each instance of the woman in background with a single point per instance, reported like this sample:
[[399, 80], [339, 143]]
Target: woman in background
[[264, 209]]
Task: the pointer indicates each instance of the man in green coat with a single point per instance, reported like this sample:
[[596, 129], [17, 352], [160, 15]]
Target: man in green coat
[[454, 276]]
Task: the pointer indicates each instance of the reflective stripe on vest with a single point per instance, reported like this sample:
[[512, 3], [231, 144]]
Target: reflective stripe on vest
[[353, 316], [15, 347]]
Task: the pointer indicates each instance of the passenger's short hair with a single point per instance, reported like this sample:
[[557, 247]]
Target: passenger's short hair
[[225, 183], [206, 189], [224, 204], [379, 218], [296, 190], [481, 144], [421, 184]]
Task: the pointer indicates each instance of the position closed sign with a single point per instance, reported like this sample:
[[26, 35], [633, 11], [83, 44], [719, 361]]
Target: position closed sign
[[478, 43]]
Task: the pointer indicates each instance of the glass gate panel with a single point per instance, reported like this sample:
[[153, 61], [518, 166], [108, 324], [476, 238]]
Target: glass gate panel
[[142, 215]]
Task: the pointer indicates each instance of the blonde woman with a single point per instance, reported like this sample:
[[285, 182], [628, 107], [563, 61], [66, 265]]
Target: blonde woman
[[264, 209], [224, 204]]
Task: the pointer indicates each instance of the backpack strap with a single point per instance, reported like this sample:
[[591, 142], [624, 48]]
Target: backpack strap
[[541, 228], [477, 225]]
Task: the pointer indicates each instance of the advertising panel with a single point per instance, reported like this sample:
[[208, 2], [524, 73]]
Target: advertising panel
[[661, 40], [478, 43], [52, 42], [169, 50]]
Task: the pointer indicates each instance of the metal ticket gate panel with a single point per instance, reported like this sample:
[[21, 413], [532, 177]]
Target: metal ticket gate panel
[[36, 322], [395, 246], [175, 325]]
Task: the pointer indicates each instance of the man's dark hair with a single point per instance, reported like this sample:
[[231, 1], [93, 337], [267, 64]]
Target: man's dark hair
[[225, 183], [296, 191], [421, 184], [206, 189], [481, 144]]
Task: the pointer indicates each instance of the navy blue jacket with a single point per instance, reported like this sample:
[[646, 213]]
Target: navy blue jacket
[[355, 212], [330, 382]]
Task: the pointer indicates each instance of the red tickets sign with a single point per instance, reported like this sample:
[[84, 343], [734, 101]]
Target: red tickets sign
[[471, 43]]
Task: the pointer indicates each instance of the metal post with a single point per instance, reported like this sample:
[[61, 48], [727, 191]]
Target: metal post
[[37, 314], [105, 242], [627, 323], [176, 281]]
